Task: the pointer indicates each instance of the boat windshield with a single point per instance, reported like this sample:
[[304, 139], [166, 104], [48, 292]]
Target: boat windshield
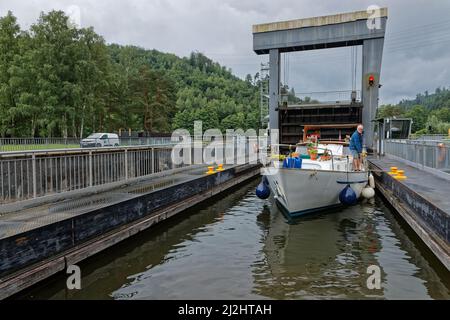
[[336, 149]]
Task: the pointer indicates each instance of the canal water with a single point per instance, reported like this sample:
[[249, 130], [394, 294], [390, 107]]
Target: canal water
[[240, 247]]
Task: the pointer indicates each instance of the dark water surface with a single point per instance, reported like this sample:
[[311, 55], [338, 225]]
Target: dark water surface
[[241, 247]]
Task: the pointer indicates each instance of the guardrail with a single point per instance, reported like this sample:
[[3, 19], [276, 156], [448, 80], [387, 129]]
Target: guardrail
[[31, 174], [435, 156], [24, 144], [323, 97], [144, 141], [430, 137], [16, 144]]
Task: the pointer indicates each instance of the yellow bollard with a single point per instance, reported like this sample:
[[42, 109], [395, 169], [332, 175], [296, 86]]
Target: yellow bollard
[[210, 170], [220, 167], [393, 171], [400, 175]]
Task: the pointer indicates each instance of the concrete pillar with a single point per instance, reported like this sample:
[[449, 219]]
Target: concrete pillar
[[274, 88], [371, 59]]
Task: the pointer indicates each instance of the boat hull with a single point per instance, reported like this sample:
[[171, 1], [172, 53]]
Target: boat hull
[[304, 191]]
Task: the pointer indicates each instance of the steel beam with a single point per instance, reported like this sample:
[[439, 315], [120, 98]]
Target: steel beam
[[371, 56], [274, 88]]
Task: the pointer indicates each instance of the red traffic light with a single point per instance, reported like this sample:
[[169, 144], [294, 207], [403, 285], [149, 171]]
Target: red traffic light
[[371, 80]]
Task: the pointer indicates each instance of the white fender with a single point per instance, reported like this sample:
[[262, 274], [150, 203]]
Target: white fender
[[371, 181], [368, 193]]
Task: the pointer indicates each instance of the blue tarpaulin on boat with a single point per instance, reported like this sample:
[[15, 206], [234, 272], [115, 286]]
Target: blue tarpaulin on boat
[[292, 163]]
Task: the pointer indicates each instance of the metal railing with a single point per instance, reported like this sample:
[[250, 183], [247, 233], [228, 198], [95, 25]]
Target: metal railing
[[23, 144], [430, 137], [435, 156], [31, 174], [140, 141], [17, 144], [322, 97]]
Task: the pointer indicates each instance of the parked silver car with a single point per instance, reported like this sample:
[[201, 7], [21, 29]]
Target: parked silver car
[[100, 140]]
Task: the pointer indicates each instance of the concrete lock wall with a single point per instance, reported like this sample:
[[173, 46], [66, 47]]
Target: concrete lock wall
[[428, 221], [19, 251]]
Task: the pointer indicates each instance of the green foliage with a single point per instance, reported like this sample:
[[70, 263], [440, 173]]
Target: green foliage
[[442, 114], [419, 114], [9, 48], [430, 112], [57, 80], [439, 99], [435, 125], [388, 111]]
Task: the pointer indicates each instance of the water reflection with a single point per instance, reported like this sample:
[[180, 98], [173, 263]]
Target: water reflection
[[327, 255], [241, 247]]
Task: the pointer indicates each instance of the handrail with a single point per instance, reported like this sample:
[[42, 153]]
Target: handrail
[[32, 174], [80, 150], [434, 155], [326, 96]]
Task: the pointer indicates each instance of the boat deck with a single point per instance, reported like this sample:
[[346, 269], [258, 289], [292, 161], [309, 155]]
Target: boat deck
[[431, 187]]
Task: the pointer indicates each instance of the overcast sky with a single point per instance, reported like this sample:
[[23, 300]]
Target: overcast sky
[[416, 56]]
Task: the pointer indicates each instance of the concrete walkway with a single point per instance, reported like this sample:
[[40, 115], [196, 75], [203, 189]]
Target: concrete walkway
[[422, 200], [42, 211], [431, 187]]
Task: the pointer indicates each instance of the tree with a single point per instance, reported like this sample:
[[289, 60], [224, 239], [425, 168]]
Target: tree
[[59, 80], [249, 79], [443, 114], [93, 75], [419, 116], [389, 111], [26, 111], [9, 48], [56, 51], [436, 126], [155, 99]]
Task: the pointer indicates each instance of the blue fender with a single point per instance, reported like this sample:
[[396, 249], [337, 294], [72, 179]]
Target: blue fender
[[263, 189], [348, 196]]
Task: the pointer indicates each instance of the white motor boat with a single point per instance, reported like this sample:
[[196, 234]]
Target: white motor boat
[[317, 184]]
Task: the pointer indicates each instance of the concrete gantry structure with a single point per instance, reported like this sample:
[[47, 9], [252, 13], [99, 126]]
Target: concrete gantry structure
[[366, 28]]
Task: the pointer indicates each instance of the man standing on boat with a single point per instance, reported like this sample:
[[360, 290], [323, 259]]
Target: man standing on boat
[[356, 147]]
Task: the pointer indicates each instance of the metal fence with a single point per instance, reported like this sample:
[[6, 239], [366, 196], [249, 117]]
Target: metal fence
[[324, 97], [435, 156], [24, 144], [430, 137], [25, 175], [144, 141], [31, 174], [17, 144]]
